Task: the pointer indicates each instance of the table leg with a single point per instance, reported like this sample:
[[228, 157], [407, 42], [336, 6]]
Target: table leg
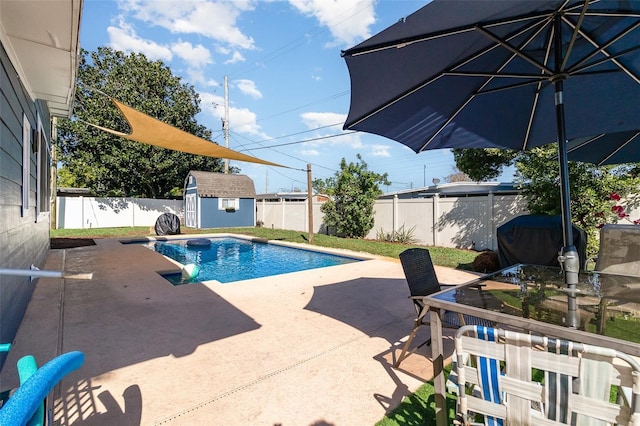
[[437, 355]]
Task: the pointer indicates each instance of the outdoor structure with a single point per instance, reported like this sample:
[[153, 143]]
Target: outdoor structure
[[455, 189], [218, 200], [39, 43]]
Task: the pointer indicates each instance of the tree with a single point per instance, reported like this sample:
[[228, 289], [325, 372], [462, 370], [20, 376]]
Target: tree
[[113, 166], [483, 164], [537, 175], [457, 176], [351, 208], [324, 186]]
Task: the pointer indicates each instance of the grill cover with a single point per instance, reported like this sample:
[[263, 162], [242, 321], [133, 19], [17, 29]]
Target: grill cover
[[168, 224], [536, 239]]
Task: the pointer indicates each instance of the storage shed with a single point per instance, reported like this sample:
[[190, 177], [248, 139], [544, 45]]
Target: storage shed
[[219, 200]]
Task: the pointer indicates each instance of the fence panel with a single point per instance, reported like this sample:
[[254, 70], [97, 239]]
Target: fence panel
[[462, 222], [92, 212]]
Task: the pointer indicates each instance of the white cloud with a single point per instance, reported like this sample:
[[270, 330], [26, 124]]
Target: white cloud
[[195, 56], [310, 152], [214, 19], [380, 150], [248, 87], [235, 57], [347, 20], [124, 38], [321, 119], [241, 120]]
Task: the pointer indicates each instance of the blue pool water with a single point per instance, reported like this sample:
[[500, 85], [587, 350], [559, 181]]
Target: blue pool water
[[232, 259]]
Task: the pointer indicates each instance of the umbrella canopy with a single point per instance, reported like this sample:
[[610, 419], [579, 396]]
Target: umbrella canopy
[[606, 149], [479, 74]]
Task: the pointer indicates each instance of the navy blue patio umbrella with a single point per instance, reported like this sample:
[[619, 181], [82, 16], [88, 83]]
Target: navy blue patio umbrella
[[511, 74], [606, 149]]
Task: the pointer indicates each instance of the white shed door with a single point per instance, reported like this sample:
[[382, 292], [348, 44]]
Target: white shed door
[[190, 211]]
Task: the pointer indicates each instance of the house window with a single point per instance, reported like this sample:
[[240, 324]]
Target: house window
[[228, 203], [26, 164], [43, 195]]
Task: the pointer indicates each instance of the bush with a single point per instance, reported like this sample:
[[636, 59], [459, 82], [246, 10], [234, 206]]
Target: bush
[[400, 236], [486, 262]]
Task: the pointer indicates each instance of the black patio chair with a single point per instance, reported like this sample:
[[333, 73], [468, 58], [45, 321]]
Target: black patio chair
[[423, 281]]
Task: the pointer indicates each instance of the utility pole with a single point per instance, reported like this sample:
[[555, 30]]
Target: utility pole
[[310, 201], [225, 122]]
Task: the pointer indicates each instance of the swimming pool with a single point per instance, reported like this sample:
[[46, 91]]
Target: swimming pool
[[232, 259]]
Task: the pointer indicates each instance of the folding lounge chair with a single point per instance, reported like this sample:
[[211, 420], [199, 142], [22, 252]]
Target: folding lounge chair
[[507, 368], [423, 281]]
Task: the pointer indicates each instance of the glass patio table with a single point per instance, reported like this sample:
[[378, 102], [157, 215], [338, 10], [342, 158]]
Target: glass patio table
[[534, 298]]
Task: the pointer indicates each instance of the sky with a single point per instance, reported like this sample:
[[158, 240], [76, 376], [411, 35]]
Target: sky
[[288, 86]]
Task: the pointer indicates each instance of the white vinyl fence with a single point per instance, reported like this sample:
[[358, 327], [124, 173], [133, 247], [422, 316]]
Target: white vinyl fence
[[463, 222], [91, 212]]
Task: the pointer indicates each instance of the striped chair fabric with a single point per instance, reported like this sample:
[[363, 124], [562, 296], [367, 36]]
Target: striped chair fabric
[[578, 381]]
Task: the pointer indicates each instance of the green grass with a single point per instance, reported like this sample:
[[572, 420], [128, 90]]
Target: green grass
[[450, 257], [417, 408]]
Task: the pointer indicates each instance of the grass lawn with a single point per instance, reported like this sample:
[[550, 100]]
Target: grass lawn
[[416, 409]]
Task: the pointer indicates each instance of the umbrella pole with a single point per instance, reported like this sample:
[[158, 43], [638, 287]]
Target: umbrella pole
[[568, 257]]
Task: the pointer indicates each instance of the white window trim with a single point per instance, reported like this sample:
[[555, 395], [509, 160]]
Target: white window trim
[[26, 164], [224, 203], [40, 216]]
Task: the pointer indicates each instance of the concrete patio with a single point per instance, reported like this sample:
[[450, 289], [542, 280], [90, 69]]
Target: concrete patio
[[306, 348]]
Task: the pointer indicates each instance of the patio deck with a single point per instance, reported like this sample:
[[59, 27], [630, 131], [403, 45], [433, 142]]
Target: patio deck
[[306, 348]]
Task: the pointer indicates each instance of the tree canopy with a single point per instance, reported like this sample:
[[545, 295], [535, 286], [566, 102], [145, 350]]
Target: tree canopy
[[354, 188], [113, 166]]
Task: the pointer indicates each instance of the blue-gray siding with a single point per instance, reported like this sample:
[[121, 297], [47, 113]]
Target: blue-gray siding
[[23, 240], [211, 217]]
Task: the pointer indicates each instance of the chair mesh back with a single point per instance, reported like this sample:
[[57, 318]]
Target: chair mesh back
[[619, 249], [419, 272]]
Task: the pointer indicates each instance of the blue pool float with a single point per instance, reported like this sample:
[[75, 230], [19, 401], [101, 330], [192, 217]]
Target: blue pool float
[[199, 242]]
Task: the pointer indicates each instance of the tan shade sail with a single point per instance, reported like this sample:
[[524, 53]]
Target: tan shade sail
[[152, 131]]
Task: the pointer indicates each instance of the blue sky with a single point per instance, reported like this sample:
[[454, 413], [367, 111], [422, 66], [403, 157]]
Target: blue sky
[[288, 85]]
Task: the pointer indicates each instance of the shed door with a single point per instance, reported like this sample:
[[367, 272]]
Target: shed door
[[190, 211]]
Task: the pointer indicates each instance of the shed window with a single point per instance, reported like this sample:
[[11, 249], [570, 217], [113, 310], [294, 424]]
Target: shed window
[[228, 203]]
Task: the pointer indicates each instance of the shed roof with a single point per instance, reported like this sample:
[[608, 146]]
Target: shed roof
[[223, 185]]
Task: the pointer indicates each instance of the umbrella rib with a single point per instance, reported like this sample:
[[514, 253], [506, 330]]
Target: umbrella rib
[[515, 51], [619, 148], [480, 91], [536, 97], [574, 36], [602, 49], [494, 75], [610, 57], [436, 77], [396, 44]]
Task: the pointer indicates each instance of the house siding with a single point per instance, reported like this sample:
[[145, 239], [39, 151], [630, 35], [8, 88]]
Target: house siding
[[24, 240], [211, 217]]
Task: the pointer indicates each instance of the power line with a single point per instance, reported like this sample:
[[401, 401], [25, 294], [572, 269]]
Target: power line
[[306, 140]]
